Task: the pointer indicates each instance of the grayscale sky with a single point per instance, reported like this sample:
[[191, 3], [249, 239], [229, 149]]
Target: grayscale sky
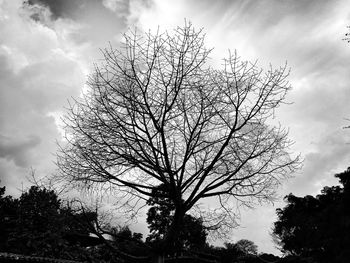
[[47, 48]]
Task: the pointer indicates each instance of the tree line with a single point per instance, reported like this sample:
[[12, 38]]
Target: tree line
[[39, 223], [308, 229]]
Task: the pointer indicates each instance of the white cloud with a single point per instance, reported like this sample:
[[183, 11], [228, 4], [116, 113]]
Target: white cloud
[[308, 36], [37, 77], [46, 52], [117, 6]]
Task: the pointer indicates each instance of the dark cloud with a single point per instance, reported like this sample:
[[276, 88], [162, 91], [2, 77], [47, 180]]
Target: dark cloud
[[94, 22], [43, 62], [75, 9], [17, 149], [63, 8]]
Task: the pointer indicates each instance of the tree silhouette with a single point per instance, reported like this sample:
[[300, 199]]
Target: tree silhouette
[[317, 226], [36, 224], [157, 113], [159, 218], [242, 251], [8, 216], [246, 247]]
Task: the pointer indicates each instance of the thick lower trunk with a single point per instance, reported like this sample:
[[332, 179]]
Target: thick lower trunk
[[158, 258], [172, 242]]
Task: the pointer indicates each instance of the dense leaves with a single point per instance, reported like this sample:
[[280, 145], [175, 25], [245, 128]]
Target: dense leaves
[[317, 227], [242, 251], [37, 224], [246, 247], [8, 216], [129, 242], [159, 218]]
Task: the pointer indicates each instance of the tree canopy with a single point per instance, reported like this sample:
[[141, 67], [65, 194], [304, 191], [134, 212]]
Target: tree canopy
[[8, 214], [38, 224], [318, 226], [155, 112]]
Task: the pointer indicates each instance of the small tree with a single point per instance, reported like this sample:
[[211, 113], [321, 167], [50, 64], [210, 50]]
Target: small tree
[[241, 250], [247, 247], [157, 113]]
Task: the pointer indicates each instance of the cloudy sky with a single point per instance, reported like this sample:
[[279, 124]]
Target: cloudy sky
[[47, 47]]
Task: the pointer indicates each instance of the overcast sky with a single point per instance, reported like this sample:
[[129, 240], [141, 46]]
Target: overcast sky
[[47, 47]]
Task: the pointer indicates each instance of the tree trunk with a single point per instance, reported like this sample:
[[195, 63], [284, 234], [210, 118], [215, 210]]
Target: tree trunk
[[172, 242], [158, 258]]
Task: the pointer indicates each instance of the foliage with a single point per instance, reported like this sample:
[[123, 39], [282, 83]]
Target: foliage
[[159, 218], [8, 216], [37, 229], [37, 224], [316, 226], [246, 247], [242, 251], [160, 214]]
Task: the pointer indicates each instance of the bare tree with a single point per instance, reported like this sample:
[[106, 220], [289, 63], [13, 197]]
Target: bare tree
[[157, 113]]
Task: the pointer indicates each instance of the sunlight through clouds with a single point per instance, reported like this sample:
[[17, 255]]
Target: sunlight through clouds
[[47, 49]]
